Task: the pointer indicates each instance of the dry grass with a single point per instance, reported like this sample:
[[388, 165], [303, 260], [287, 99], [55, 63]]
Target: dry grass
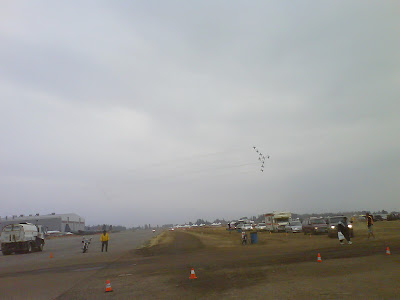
[[284, 264], [163, 238], [221, 238]]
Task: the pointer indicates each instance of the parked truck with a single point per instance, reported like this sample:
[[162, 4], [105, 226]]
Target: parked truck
[[276, 221], [22, 238]]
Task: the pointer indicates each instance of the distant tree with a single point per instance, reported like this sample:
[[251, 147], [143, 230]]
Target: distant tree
[[219, 221], [200, 221], [167, 225], [117, 228], [101, 227]]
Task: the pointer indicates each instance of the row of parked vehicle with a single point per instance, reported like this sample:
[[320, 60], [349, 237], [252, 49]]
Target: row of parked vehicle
[[315, 225], [263, 226], [292, 226], [312, 225]]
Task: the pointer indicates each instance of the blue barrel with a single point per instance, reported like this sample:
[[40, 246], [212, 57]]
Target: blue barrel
[[254, 237]]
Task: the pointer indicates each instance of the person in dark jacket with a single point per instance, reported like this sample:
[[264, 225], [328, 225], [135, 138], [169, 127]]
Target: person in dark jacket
[[244, 238], [343, 231], [370, 225]]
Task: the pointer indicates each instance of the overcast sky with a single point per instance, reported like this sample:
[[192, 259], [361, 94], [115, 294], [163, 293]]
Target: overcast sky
[[134, 112]]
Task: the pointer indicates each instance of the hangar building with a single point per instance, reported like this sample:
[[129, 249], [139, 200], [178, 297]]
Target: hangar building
[[61, 222]]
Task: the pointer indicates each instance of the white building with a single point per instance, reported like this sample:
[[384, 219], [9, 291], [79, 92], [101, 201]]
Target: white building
[[61, 222]]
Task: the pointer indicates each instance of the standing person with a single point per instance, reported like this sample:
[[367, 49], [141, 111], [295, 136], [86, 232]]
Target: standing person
[[104, 240], [343, 231], [370, 224], [244, 238]]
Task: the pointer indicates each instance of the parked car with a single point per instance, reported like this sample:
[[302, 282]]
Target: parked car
[[261, 227], [247, 227], [332, 226], [233, 225], [239, 226], [314, 225], [294, 226], [393, 216]]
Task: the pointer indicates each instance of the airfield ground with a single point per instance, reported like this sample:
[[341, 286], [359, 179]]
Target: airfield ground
[[280, 266], [37, 276]]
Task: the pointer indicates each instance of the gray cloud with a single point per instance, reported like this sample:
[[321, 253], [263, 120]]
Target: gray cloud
[[146, 112]]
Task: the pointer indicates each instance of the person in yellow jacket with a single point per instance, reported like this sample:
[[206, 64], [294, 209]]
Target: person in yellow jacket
[[104, 240]]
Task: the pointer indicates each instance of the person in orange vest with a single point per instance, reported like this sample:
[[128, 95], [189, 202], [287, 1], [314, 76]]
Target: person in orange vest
[[104, 238], [370, 224]]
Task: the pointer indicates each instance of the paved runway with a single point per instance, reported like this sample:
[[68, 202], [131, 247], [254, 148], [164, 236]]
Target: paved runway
[[37, 276]]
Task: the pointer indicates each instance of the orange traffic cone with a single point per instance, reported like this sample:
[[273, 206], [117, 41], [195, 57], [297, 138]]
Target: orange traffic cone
[[319, 258], [51, 254], [192, 274], [108, 287], [388, 251]]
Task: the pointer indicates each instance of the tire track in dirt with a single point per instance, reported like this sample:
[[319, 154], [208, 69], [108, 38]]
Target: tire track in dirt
[[240, 266], [161, 271]]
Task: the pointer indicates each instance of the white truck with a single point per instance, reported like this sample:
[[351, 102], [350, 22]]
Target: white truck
[[276, 221], [22, 238]]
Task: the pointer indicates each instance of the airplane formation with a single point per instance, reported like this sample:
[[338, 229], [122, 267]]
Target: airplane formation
[[261, 158]]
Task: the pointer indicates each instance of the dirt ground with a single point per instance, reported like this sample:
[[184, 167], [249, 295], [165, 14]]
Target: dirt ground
[[279, 266]]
